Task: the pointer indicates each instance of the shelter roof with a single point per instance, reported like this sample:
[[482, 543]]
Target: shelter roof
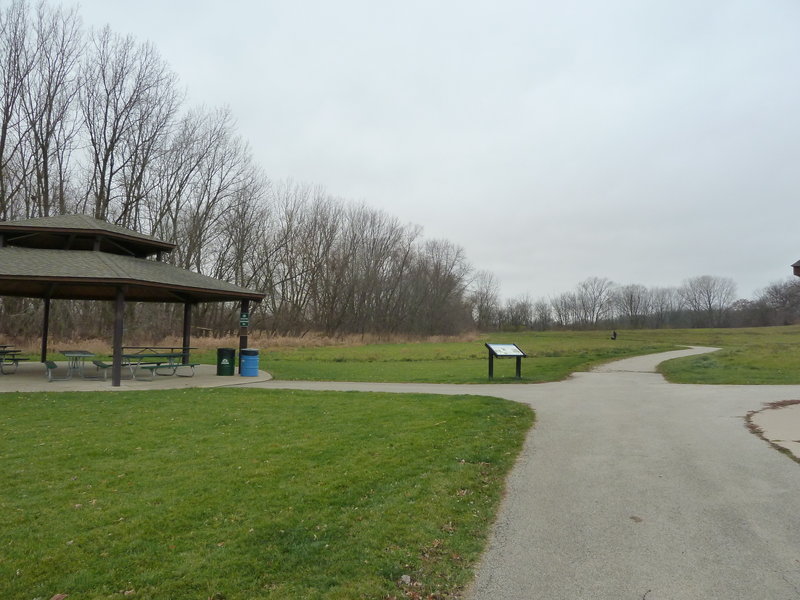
[[80, 232], [82, 274]]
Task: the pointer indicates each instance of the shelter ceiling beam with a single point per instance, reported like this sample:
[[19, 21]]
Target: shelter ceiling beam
[[114, 243]]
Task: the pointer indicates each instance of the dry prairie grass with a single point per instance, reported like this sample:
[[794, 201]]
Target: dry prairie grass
[[256, 340]]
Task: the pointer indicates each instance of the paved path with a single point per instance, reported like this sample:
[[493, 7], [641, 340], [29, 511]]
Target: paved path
[[628, 488], [632, 488]]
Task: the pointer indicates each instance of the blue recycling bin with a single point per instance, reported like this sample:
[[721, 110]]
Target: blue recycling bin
[[248, 365]]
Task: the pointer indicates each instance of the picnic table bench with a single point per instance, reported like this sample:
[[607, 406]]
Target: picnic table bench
[[158, 360], [9, 358]]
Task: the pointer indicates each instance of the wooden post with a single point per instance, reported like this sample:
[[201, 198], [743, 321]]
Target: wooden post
[[519, 367], [244, 324], [187, 332], [45, 328], [491, 365], [119, 318]]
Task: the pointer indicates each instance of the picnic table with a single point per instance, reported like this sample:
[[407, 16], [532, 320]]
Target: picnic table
[[158, 360], [9, 358], [76, 360]]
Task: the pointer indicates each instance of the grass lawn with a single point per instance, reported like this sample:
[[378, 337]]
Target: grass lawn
[[552, 357], [242, 494], [748, 356], [763, 355], [760, 355]]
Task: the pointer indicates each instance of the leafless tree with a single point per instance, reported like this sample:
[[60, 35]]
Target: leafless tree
[[664, 304], [633, 304], [782, 301], [542, 315], [17, 60], [517, 314], [47, 103], [437, 289], [224, 170], [593, 297], [564, 309], [127, 99], [709, 299], [485, 300]]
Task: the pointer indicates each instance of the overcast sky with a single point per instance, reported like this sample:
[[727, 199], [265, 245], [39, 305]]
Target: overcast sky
[[641, 141]]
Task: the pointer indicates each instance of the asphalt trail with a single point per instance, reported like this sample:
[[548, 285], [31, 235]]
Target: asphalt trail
[[632, 488]]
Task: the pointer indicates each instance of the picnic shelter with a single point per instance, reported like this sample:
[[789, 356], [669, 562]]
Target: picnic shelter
[[78, 257]]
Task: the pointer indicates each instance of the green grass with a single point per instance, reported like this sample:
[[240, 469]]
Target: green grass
[[751, 364], [764, 355], [748, 356], [552, 356], [243, 494]]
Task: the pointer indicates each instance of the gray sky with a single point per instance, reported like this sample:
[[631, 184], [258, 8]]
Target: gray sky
[[641, 141]]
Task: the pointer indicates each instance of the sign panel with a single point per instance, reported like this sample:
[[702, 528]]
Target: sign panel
[[505, 350], [244, 319]]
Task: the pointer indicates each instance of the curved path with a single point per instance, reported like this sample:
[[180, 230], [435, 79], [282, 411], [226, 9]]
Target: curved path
[[633, 488]]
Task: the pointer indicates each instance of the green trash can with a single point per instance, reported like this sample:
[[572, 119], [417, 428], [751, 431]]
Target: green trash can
[[226, 361]]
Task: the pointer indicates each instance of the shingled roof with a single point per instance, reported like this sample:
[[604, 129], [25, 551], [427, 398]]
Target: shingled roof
[[80, 232], [81, 258], [81, 274]]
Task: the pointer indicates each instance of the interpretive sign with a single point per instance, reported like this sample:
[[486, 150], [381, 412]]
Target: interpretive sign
[[505, 351]]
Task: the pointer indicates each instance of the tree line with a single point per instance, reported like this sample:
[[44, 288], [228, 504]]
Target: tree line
[[93, 122], [599, 303]]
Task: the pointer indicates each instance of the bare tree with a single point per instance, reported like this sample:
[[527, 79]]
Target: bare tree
[[564, 309], [542, 315], [782, 299], [517, 314], [664, 304], [49, 111], [127, 98], [17, 60], [709, 299], [593, 296], [485, 300], [224, 170], [436, 289], [633, 304]]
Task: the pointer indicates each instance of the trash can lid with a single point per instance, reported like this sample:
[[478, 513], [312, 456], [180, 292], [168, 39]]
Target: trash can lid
[[249, 351]]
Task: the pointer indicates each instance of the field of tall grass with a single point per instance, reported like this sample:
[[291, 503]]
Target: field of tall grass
[[748, 355]]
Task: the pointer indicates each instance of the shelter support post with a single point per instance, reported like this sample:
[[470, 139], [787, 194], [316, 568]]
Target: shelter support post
[[119, 317], [244, 324], [45, 328], [187, 332]]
